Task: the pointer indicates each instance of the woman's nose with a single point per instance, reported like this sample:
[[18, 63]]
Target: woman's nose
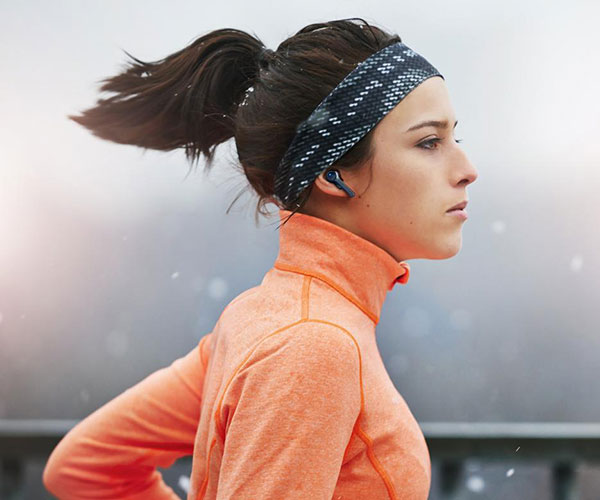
[[468, 173]]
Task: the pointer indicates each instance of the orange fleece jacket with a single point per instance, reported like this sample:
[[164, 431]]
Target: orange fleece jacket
[[287, 397]]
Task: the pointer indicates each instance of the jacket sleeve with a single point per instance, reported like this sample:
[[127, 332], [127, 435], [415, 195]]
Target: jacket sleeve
[[114, 452], [290, 413]]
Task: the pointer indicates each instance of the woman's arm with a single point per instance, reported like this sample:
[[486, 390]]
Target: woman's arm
[[289, 414], [114, 452]]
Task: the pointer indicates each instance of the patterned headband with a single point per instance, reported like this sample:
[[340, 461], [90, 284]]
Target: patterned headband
[[349, 112]]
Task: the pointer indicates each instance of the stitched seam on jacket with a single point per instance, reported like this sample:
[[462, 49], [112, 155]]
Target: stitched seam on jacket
[[376, 464], [357, 429], [337, 288], [304, 310], [217, 414]]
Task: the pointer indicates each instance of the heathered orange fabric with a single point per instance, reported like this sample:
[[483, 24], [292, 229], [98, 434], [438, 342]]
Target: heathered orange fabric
[[287, 397]]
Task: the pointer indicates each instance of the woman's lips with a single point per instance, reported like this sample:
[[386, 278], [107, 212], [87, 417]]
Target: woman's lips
[[461, 213]]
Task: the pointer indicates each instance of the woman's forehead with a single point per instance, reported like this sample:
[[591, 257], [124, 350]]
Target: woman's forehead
[[428, 101]]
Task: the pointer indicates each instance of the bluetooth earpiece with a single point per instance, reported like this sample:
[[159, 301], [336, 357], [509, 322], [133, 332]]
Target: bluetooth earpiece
[[333, 176]]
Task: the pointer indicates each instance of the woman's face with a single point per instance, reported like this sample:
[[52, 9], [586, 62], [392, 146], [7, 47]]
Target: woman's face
[[418, 173]]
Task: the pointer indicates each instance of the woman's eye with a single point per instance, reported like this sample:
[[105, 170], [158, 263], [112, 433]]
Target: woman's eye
[[429, 144], [432, 142]]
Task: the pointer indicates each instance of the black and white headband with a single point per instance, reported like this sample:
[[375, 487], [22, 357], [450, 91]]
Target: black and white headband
[[348, 113]]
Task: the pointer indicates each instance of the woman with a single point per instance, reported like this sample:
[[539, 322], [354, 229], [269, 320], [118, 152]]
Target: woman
[[350, 133]]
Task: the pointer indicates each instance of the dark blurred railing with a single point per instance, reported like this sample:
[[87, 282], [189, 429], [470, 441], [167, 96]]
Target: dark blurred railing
[[561, 445]]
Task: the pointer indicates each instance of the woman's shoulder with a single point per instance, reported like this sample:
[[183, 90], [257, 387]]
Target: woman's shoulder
[[321, 342], [239, 298]]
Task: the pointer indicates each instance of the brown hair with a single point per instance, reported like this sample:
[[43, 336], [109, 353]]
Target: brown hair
[[226, 84]]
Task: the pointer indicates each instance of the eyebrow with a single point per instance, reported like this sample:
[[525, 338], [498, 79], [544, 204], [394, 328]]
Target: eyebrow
[[431, 123]]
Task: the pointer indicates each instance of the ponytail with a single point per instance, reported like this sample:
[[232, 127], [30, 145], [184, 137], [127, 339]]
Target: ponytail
[[186, 100]]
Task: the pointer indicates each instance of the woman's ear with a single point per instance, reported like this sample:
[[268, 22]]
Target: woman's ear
[[329, 187]]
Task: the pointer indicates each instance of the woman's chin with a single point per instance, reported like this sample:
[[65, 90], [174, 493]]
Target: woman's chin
[[447, 251]]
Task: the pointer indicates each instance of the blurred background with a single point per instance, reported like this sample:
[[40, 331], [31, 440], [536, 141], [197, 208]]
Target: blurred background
[[114, 261]]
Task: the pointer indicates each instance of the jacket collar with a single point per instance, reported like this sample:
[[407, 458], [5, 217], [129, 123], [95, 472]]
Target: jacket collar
[[357, 268]]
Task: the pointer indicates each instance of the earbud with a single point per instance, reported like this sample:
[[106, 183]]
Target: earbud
[[333, 176]]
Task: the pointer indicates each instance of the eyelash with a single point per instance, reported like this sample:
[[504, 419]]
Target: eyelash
[[434, 140]]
